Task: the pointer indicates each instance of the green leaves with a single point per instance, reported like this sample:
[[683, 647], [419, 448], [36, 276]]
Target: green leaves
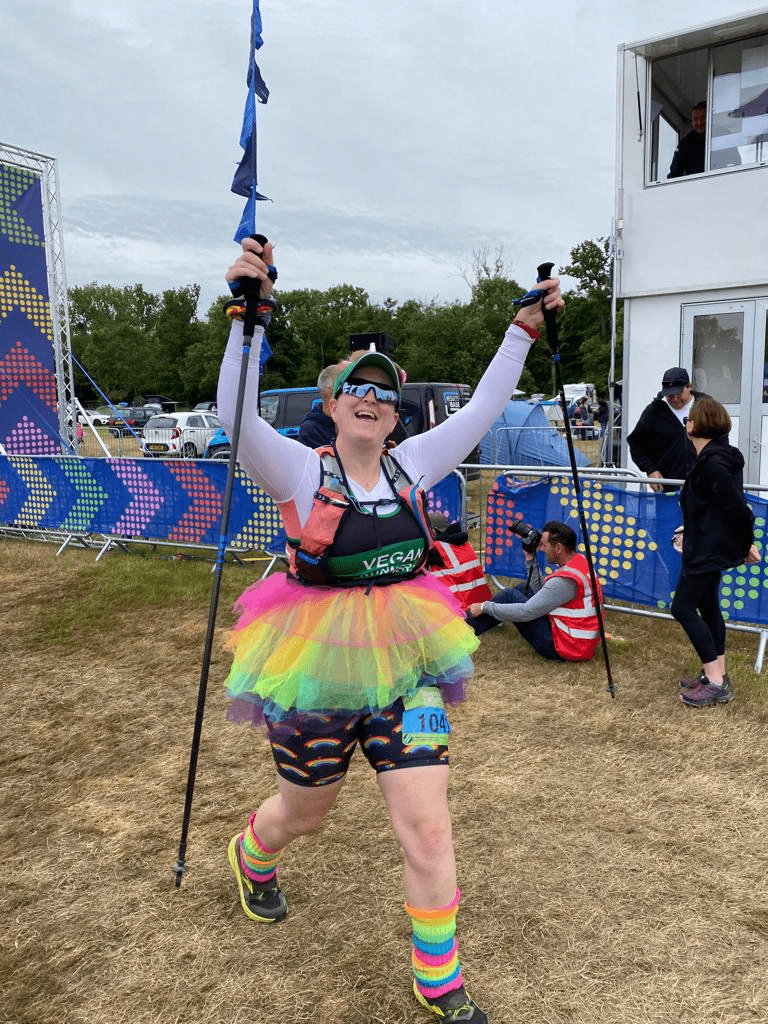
[[134, 343]]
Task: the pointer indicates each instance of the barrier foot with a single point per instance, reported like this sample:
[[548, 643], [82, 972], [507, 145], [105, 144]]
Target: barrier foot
[[761, 651], [269, 567], [106, 547], [66, 544]]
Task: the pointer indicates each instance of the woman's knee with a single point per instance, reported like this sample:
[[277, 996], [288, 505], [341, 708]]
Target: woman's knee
[[427, 841], [304, 813], [680, 609]]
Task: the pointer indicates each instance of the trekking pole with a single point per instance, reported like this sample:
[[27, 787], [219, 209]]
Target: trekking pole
[[544, 271], [249, 289]]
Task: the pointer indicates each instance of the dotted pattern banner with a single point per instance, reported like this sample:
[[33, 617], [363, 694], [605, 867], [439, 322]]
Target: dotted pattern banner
[[172, 500], [28, 419], [630, 536]]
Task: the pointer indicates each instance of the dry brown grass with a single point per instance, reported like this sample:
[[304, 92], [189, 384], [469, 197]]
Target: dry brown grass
[[611, 853]]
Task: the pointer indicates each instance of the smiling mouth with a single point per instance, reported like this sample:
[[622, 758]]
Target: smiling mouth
[[365, 415]]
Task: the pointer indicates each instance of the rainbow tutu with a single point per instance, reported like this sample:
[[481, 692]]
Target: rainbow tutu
[[331, 651]]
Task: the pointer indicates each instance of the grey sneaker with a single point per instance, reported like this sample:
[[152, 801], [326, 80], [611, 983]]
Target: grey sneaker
[[706, 694], [688, 684], [265, 903]]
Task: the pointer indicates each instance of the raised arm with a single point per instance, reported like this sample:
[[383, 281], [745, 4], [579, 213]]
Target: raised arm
[[280, 465], [436, 452]]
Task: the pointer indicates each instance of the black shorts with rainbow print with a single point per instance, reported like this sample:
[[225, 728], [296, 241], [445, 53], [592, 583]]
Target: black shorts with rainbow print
[[320, 754]]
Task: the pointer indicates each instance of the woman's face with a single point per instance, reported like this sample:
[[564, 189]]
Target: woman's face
[[366, 418]]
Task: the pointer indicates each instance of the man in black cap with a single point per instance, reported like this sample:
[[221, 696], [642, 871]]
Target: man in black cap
[[659, 444]]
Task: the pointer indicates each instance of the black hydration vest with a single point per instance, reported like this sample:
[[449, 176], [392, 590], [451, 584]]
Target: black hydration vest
[[346, 542]]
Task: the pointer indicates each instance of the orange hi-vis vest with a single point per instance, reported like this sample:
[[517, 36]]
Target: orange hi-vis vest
[[575, 629], [463, 573]]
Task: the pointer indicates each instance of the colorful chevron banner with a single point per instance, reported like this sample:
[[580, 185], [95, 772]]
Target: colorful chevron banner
[[28, 416], [176, 501]]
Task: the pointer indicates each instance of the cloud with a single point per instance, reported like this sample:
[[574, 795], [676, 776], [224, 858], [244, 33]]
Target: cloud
[[398, 137]]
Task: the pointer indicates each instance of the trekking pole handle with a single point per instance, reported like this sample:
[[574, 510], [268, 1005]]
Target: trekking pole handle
[[544, 271]]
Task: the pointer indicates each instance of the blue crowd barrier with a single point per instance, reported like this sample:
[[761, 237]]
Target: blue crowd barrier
[[630, 535]]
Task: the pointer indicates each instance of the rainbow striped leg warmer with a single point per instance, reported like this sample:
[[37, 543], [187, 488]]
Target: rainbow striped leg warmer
[[435, 956], [258, 862]]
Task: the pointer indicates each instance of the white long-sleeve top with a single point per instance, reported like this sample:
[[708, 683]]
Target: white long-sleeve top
[[289, 471]]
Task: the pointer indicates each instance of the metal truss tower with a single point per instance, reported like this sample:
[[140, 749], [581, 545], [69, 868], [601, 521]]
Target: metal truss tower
[[46, 169]]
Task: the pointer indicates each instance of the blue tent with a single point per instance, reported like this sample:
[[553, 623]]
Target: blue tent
[[523, 436]]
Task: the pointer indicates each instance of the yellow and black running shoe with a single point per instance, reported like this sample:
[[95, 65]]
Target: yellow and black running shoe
[[265, 903], [454, 1007]]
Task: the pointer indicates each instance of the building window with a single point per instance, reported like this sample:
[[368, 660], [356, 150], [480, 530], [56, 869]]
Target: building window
[[740, 103], [709, 110]]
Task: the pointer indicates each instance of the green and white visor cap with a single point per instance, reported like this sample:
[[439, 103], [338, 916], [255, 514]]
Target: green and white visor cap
[[377, 359]]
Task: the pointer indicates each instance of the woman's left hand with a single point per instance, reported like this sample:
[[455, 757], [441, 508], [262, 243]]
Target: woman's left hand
[[534, 315], [753, 556], [475, 610]]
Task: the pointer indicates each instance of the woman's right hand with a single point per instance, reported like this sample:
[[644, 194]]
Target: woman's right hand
[[533, 315], [753, 556], [254, 262]]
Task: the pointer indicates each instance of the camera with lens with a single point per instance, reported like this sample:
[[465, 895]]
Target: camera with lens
[[529, 537]]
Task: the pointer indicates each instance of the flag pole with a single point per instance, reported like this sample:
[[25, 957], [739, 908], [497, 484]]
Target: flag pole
[[256, 314]]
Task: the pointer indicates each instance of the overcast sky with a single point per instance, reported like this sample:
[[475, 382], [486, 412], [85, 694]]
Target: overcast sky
[[399, 136]]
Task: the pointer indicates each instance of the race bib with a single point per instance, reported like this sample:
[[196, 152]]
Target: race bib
[[424, 717]]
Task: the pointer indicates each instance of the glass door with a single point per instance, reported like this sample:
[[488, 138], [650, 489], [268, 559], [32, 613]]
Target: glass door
[[719, 345], [759, 428]]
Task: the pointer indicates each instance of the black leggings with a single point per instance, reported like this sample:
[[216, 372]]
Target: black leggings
[[696, 606]]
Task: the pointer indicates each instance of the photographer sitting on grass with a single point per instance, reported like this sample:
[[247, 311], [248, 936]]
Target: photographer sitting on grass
[[555, 613]]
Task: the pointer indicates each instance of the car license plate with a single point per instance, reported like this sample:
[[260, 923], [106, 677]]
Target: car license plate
[[156, 447]]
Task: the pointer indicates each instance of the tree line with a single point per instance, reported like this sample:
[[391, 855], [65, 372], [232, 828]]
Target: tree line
[[133, 343]]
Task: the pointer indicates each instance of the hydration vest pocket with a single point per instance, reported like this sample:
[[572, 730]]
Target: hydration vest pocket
[[325, 516]]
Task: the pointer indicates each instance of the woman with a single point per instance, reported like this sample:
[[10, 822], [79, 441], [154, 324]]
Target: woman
[[717, 535], [357, 644]]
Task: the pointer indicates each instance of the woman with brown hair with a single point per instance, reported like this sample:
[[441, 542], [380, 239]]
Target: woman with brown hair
[[718, 534], [357, 645]]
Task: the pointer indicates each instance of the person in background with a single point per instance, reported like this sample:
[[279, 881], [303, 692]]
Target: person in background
[[718, 534], [689, 155], [659, 445], [357, 644], [582, 418], [317, 427], [555, 614], [454, 561]]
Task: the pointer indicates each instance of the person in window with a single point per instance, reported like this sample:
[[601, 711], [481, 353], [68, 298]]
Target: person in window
[[659, 445], [718, 534], [689, 155], [358, 644]]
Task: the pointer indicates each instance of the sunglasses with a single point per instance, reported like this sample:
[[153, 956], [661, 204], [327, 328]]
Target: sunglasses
[[358, 388]]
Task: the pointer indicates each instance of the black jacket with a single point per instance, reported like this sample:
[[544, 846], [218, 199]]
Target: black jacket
[[719, 524], [317, 429], [659, 442], [689, 156]]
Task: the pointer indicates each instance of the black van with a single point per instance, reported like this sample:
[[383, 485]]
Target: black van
[[422, 407]]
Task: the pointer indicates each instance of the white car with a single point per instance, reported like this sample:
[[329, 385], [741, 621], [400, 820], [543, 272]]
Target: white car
[[96, 417], [184, 434]]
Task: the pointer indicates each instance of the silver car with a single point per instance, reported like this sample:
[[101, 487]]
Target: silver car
[[179, 434]]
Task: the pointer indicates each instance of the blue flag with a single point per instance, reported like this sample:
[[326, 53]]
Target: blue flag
[[245, 181]]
